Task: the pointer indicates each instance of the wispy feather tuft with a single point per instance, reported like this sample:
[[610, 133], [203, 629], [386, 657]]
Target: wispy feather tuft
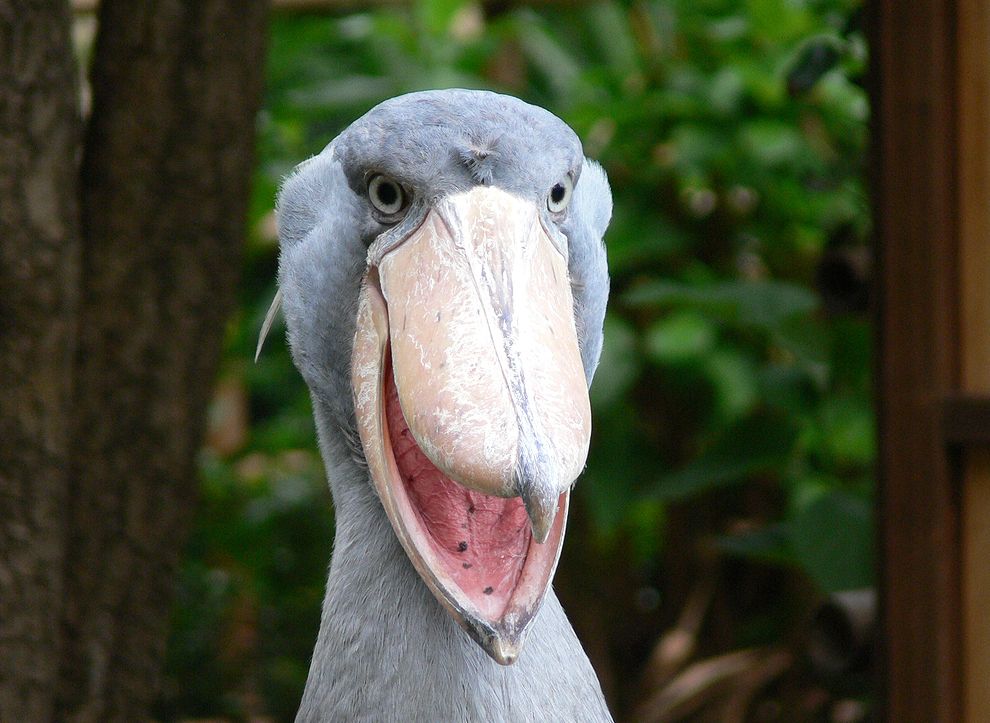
[[269, 320]]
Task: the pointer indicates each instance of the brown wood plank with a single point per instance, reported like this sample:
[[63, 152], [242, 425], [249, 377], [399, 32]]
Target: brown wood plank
[[915, 193], [971, 420], [976, 587], [966, 420], [974, 193]]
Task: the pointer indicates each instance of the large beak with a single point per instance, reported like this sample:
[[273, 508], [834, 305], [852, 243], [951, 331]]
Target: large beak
[[472, 405]]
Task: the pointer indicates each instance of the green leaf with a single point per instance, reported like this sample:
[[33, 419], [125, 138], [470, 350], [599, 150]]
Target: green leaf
[[786, 387], [847, 424], [549, 57], [613, 33], [629, 249], [619, 364], [775, 143], [733, 376], [727, 90], [620, 465], [809, 340], [770, 544], [436, 16], [680, 337], [755, 444], [852, 352], [832, 537], [761, 304], [778, 20], [816, 59], [645, 526], [351, 90]]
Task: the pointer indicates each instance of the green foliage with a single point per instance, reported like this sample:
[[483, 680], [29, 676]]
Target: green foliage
[[833, 540], [733, 132], [754, 444]]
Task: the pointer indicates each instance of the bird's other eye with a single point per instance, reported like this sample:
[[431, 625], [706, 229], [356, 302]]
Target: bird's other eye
[[386, 195], [560, 195]]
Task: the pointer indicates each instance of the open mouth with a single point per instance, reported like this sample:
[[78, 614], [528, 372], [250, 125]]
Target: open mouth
[[479, 547], [472, 407]]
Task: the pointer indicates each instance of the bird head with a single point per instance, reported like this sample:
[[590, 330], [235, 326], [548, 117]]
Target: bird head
[[444, 285]]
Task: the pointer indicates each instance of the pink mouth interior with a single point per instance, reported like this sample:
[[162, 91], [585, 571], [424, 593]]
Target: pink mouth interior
[[481, 540]]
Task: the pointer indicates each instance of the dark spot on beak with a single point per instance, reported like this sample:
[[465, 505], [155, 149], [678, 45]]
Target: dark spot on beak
[[466, 565], [462, 546], [471, 509], [438, 316], [488, 590]]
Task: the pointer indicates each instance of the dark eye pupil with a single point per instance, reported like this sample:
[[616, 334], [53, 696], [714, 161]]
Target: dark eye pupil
[[557, 193], [388, 194]]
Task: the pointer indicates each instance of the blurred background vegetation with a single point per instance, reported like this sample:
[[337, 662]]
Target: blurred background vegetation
[[729, 485]]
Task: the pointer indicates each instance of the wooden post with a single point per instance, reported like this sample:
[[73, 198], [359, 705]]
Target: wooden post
[[915, 203], [931, 104], [974, 268], [976, 587]]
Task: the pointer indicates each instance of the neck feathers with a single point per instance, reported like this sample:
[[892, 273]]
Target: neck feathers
[[387, 650]]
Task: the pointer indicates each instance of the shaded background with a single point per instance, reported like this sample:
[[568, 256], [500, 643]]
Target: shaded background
[[729, 485]]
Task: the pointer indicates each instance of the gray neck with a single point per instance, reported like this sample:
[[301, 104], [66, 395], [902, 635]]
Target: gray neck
[[388, 651]]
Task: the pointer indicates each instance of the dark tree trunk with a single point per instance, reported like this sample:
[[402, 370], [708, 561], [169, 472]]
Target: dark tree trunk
[[39, 262], [111, 354]]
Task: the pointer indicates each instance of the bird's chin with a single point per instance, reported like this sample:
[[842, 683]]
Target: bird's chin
[[475, 552]]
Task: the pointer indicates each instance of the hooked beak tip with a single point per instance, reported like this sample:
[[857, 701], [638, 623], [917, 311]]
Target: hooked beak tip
[[504, 652], [542, 511]]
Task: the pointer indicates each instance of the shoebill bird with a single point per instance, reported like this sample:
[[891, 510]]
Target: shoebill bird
[[443, 280]]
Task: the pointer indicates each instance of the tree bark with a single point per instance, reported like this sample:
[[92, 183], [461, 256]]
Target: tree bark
[[165, 186], [39, 262], [115, 284]]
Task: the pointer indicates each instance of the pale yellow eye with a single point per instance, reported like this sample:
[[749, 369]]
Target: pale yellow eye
[[386, 195], [560, 195]]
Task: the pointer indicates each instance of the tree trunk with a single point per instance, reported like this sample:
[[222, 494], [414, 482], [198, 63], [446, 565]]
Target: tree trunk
[[39, 262], [97, 482]]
